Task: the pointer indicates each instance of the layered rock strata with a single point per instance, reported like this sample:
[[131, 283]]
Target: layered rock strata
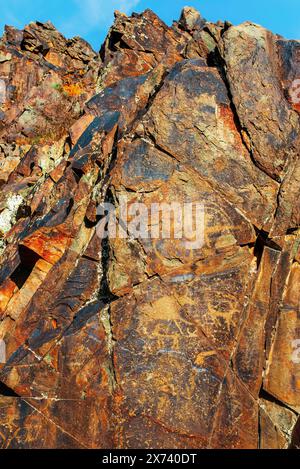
[[143, 343]]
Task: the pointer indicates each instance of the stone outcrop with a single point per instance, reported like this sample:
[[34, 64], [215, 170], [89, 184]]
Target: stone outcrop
[[143, 343]]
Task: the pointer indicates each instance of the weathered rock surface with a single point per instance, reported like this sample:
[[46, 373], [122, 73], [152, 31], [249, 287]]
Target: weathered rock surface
[[143, 343]]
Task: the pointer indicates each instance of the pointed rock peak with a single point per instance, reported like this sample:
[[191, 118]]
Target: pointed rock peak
[[45, 25], [191, 19], [119, 14]]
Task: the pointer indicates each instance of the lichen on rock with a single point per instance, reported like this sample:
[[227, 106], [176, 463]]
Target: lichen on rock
[[120, 342]]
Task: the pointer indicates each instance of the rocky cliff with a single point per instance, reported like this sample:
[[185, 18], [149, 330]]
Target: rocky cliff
[[127, 342]]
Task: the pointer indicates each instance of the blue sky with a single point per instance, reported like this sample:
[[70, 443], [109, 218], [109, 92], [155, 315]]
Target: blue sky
[[91, 19]]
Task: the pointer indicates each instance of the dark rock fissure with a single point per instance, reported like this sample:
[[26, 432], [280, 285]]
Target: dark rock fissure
[[28, 259]]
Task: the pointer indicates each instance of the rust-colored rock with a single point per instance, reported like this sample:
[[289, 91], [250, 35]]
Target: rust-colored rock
[[142, 342]]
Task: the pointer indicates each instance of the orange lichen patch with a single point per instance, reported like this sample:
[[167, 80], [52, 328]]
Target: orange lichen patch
[[226, 114], [46, 139], [21, 141], [294, 102], [54, 323], [7, 290], [119, 398], [73, 89], [296, 107]]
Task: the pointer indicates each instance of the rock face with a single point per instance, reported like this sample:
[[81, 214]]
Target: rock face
[[140, 342]]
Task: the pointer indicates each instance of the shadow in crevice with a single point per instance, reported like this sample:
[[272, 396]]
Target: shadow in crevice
[[295, 440], [28, 259], [7, 391]]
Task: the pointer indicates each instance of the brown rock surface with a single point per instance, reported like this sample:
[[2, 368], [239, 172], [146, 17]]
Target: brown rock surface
[[143, 343]]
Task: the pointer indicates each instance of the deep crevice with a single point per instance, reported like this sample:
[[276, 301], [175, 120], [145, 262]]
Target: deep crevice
[[292, 230], [116, 41], [259, 433], [105, 295], [7, 391], [28, 259], [68, 142], [215, 60], [159, 147], [152, 96], [295, 439], [104, 291], [23, 211], [78, 173], [262, 241], [70, 206], [89, 223], [269, 397]]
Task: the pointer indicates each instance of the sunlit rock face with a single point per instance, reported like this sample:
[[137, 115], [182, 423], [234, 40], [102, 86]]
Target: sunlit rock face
[[134, 342]]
